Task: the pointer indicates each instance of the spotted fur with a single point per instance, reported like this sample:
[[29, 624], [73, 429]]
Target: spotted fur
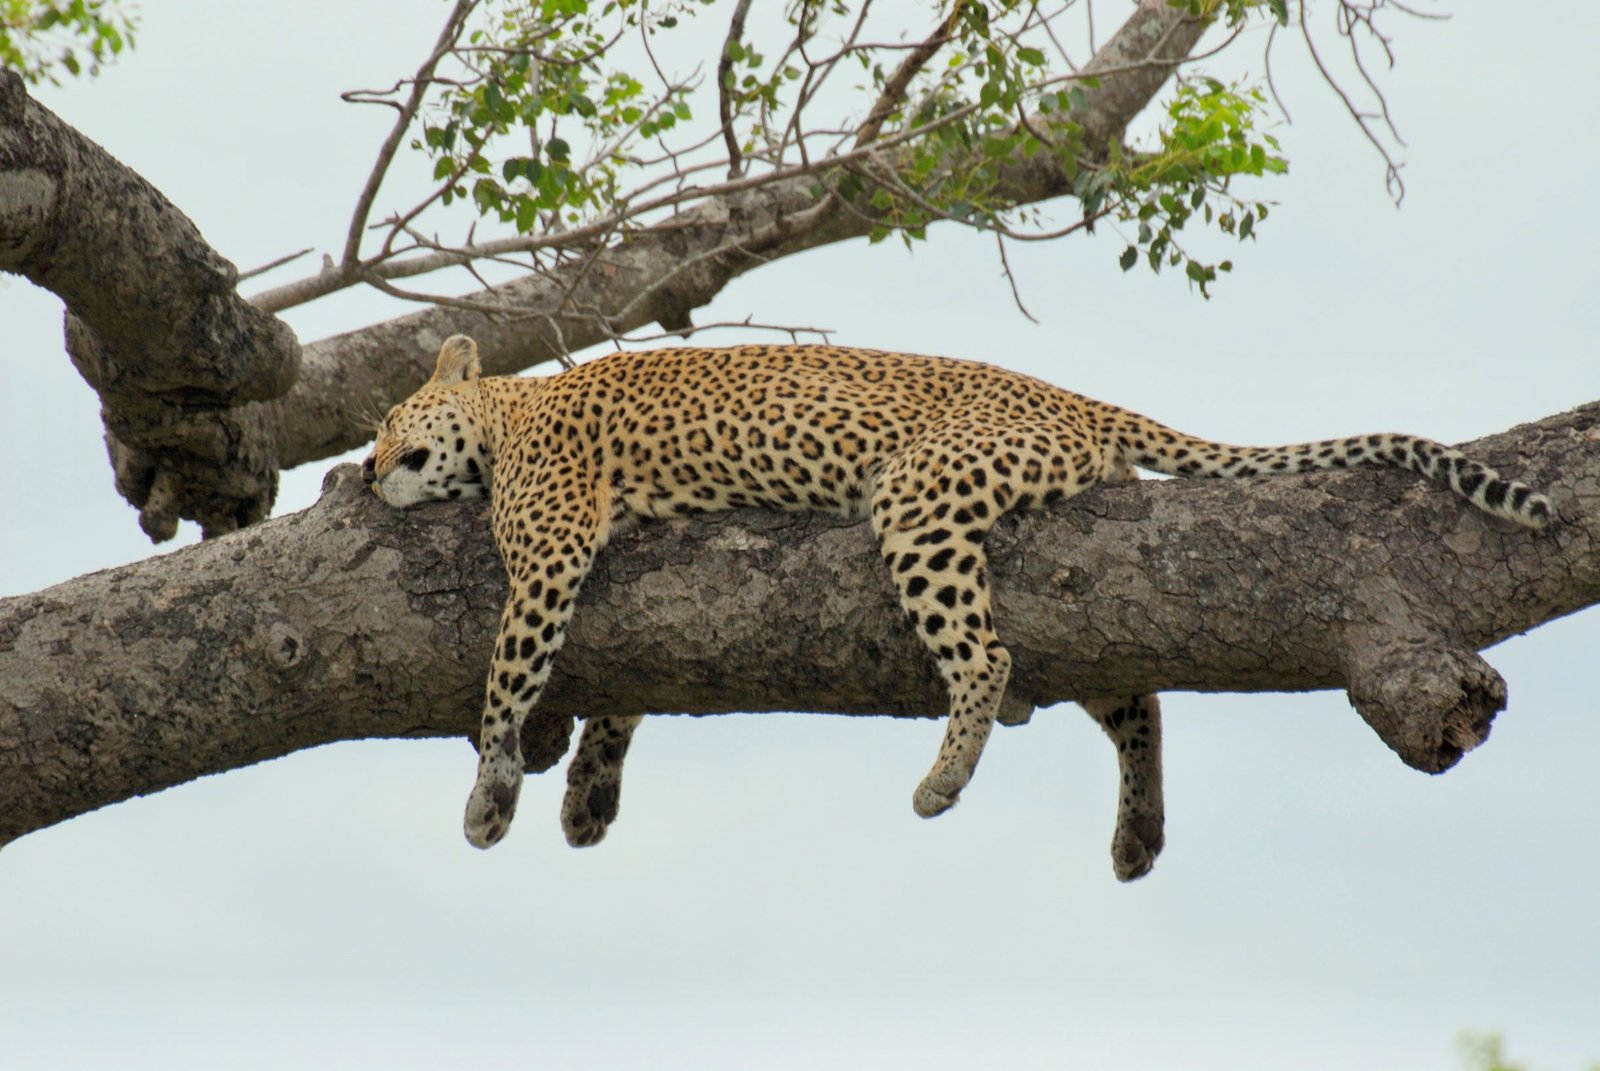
[[933, 451]]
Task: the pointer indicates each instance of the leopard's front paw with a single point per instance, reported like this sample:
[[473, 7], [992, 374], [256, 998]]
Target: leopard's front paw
[[491, 806], [935, 796], [1134, 847]]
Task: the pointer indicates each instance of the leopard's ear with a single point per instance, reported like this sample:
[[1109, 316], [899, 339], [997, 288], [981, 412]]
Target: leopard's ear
[[458, 361]]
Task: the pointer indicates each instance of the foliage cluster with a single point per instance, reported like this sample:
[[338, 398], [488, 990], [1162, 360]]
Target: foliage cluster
[[39, 38], [567, 114]]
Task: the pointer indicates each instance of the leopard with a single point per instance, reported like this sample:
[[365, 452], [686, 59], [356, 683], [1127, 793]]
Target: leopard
[[931, 451]]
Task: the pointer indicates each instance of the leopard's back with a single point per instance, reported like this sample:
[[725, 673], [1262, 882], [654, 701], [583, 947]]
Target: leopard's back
[[792, 428]]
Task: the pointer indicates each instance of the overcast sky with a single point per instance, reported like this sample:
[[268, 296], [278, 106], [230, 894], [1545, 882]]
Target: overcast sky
[[768, 899]]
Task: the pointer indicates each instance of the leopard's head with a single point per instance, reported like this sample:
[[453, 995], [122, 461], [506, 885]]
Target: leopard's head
[[432, 445]]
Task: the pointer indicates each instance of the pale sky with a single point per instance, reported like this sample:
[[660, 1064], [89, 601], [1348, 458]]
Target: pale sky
[[768, 899]]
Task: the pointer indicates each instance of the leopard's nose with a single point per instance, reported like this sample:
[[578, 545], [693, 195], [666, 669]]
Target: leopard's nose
[[369, 472]]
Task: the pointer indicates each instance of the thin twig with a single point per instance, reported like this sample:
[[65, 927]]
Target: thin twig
[[725, 79], [747, 323], [1414, 13], [1056, 41], [1005, 265], [1348, 23], [280, 262], [1266, 62], [1392, 180], [401, 222], [563, 354], [497, 311], [822, 69], [419, 88]]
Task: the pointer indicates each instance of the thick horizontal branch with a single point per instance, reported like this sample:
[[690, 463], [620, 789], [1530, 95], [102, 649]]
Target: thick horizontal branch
[[153, 321], [350, 621]]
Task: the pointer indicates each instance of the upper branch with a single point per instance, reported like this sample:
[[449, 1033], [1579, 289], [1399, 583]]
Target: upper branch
[[1130, 69]]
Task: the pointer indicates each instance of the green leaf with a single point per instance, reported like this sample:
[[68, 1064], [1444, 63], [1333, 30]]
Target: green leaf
[[527, 215], [1130, 257], [486, 193]]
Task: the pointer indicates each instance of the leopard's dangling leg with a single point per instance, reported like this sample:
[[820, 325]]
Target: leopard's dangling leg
[[1134, 726], [594, 778], [547, 559], [930, 530]]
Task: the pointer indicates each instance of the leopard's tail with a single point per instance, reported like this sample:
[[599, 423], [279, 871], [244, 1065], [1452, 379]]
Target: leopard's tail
[[1149, 445]]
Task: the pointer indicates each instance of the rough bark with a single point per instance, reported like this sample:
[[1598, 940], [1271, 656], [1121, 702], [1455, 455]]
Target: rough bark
[[153, 322], [350, 621]]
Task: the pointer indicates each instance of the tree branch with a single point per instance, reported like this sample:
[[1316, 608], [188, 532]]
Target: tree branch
[[153, 322], [351, 621]]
